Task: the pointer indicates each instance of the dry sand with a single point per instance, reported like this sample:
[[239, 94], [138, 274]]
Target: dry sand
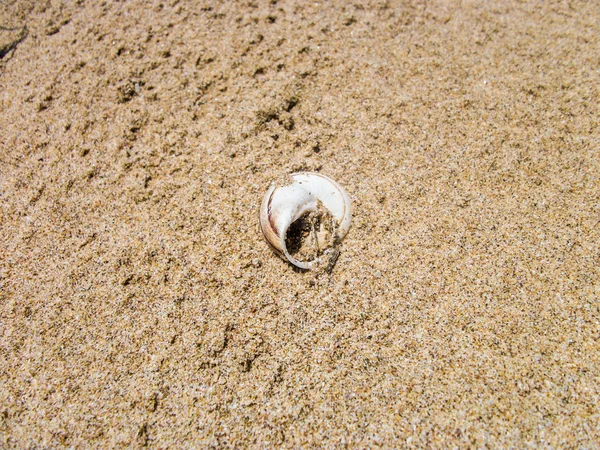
[[139, 303]]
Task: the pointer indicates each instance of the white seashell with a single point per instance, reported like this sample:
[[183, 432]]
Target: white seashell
[[309, 192]]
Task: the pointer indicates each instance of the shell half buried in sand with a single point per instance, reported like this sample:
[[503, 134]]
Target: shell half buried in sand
[[305, 221]]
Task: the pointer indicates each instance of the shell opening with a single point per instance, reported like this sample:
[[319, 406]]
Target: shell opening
[[311, 237]]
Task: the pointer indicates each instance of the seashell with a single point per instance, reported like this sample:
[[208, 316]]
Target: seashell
[[316, 209]]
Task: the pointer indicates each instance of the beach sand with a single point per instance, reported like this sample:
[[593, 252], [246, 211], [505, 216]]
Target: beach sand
[[140, 304]]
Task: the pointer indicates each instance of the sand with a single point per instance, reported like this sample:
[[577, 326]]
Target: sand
[[140, 304]]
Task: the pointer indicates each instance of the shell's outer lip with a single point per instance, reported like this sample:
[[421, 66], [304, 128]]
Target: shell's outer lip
[[266, 223], [269, 216], [282, 206]]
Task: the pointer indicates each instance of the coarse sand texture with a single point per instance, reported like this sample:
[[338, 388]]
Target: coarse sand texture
[[140, 304]]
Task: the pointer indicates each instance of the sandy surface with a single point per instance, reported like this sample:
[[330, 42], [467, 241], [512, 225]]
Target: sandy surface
[[139, 303]]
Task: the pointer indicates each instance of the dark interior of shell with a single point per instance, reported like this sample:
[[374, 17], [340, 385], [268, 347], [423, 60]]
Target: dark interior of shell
[[309, 237]]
